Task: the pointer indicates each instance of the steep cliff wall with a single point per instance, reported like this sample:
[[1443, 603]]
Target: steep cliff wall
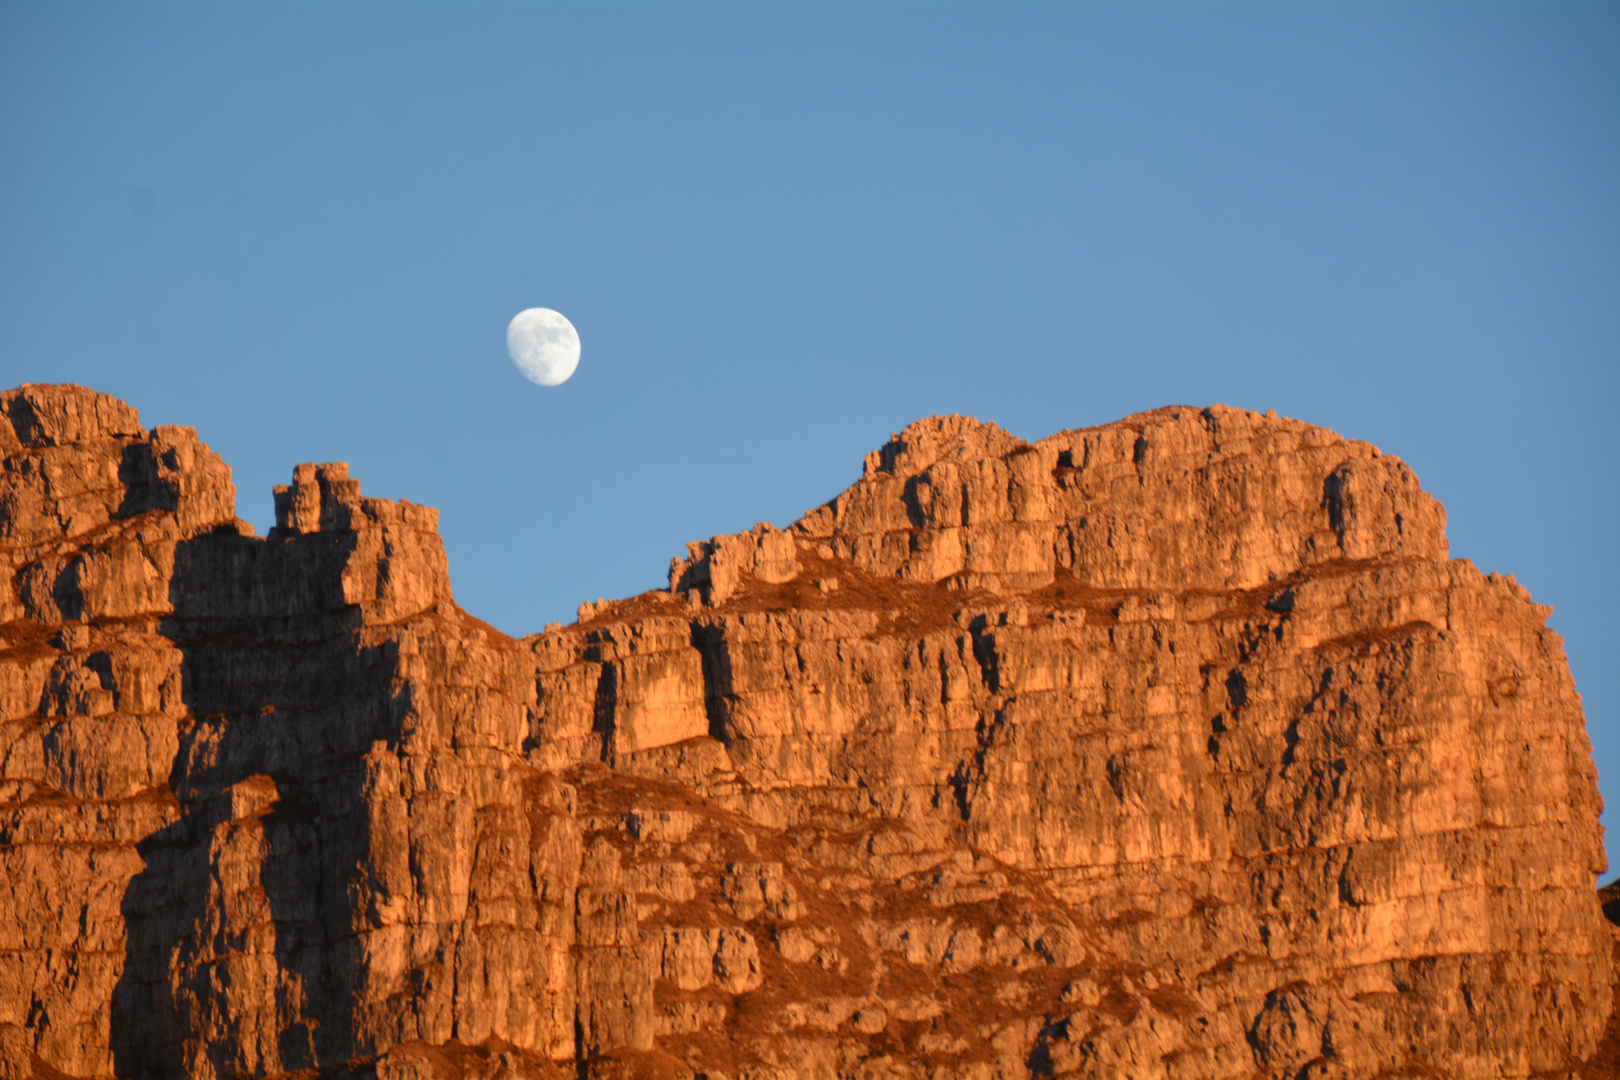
[[1174, 747]]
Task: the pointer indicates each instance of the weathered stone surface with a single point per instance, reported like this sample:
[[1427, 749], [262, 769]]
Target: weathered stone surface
[[1176, 747]]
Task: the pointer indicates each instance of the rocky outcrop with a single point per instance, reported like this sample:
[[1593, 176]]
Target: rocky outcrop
[[1176, 747]]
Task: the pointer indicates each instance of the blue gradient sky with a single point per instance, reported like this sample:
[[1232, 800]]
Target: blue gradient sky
[[785, 230]]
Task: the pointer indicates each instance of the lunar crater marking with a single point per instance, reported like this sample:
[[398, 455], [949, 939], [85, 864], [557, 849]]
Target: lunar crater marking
[[544, 345]]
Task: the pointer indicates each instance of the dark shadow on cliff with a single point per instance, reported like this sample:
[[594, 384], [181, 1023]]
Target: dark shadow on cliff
[[283, 703], [145, 1030]]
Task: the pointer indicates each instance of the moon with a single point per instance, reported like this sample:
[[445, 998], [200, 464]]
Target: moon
[[543, 345]]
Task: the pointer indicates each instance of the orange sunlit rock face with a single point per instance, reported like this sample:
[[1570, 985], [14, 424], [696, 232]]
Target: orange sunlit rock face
[[1176, 747]]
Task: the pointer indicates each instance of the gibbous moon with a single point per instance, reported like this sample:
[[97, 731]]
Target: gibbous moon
[[543, 345]]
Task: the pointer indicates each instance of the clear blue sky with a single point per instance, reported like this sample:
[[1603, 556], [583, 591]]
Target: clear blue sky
[[785, 230]]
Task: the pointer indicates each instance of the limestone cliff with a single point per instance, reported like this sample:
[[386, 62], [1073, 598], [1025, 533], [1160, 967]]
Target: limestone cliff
[[1175, 747]]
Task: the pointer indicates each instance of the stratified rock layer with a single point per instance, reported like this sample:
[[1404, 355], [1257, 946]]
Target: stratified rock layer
[[1175, 747]]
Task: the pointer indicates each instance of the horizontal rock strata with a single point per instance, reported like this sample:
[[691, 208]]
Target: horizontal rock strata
[[1176, 747]]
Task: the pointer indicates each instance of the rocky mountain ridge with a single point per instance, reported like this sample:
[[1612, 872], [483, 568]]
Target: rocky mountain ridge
[[1176, 747]]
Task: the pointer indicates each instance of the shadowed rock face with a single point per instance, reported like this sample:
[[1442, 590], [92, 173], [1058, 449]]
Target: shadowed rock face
[[1171, 748]]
